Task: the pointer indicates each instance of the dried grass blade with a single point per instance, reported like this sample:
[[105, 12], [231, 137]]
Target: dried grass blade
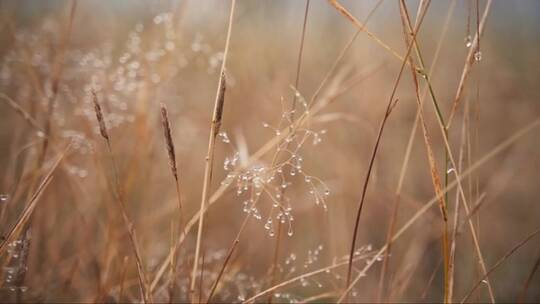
[[31, 205]]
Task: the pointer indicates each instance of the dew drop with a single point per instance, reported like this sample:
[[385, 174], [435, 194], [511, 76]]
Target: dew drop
[[478, 56], [4, 198], [468, 41], [224, 137], [158, 19], [83, 173], [169, 45]]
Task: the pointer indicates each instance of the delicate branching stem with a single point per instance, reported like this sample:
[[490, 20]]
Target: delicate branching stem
[[483, 160], [300, 277], [268, 146], [291, 118]]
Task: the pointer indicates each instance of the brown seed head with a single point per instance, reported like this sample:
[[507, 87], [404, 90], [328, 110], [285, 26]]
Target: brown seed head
[[99, 116], [168, 140]]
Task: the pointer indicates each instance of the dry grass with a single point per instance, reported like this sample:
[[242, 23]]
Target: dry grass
[[310, 187]]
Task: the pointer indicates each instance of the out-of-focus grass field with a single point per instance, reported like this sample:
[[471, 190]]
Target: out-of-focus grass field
[[64, 239]]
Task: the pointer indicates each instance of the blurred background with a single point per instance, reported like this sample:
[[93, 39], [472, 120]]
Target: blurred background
[[138, 54]]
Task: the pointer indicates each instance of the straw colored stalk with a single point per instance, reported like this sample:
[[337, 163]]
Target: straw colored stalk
[[146, 295]]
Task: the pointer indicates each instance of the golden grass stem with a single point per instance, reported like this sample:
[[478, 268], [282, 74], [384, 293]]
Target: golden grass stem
[[278, 138], [397, 200], [455, 224], [209, 161], [341, 9], [169, 145], [407, 27], [523, 294], [500, 262], [24, 114], [227, 258], [56, 76], [469, 60], [342, 53], [494, 152], [389, 107], [31, 205], [273, 267], [118, 193], [450, 158]]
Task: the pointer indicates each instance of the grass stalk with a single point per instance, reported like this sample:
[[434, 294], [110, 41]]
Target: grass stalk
[[169, 144], [449, 158], [499, 263], [469, 60], [496, 150], [431, 157], [397, 199], [523, 294], [209, 160], [427, 206], [119, 198], [390, 105], [273, 267], [31, 205]]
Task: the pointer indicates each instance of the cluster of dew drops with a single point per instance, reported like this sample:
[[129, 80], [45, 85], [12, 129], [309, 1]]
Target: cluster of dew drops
[[16, 267], [294, 264], [271, 180], [12, 79], [469, 43], [153, 53]]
